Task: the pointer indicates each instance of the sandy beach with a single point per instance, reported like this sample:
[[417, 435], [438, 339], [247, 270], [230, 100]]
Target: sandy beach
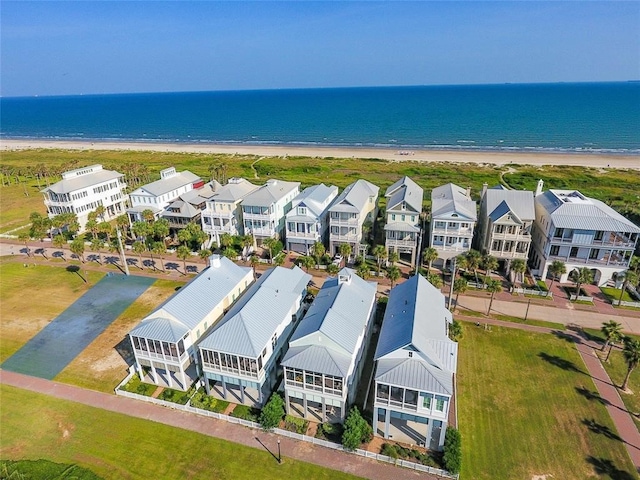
[[450, 156]]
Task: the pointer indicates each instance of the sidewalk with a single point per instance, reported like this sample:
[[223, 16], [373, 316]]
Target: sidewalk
[[302, 451]]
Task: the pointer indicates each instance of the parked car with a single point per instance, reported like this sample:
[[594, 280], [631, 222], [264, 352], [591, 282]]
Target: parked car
[[337, 260]]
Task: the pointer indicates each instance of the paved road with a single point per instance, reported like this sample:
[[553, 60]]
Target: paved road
[[303, 451]]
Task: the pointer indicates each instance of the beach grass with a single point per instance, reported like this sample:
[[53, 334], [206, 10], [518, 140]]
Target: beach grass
[[522, 410], [116, 446]]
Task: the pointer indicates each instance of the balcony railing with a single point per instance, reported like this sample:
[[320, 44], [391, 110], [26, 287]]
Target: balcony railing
[[235, 371], [292, 235], [344, 238], [346, 221], [160, 356], [617, 262], [510, 236], [400, 243], [316, 388], [453, 231], [617, 242], [501, 254]]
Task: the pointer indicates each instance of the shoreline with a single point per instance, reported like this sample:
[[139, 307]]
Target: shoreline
[[480, 157]]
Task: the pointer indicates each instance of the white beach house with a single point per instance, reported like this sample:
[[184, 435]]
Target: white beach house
[[83, 190], [453, 219], [188, 207], [240, 355], [264, 209], [323, 365], [581, 232], [164, 341], [222, 212], [402, 229], [307, 221], [357, 204], [415, 367]]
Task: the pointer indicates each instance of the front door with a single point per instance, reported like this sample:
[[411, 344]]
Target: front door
[[436, 431]]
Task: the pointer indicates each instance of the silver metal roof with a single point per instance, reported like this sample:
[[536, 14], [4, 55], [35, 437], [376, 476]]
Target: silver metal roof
[[316, 198], [571, 209], [414, 374], [354, 197], [235, 190], [451, 198], [160, 328], [520, 202], [318, 358], [166, 185], [269, 193], [198, 195], [401, 226], [252, 321], [405, 190], [80, 182], [185, 210], [339, 315]]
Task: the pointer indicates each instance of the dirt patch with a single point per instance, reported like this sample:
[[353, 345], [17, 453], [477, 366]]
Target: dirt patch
[[546, 476]]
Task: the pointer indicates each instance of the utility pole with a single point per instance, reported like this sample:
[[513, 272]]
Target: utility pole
[[453, 277], [526, 314], [124, 259]]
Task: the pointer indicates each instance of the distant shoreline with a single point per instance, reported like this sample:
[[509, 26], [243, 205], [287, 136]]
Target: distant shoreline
[[593, 160]]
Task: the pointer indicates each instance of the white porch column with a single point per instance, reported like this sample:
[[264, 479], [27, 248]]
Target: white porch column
[[287, 402], [184, 377], [241, 393], [387, 421], [169, 381], [224, 389], [140, 370], [324, 411], [154, 375], [206, 384], [304, 403]]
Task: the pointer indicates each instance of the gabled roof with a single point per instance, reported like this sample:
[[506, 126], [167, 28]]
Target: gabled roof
[[160, 328], [405, 190], [193, 302], [316, 198], [198, 195], [185, 210], [501, 210], [166, 185], [72, 184], [355, 197], [414, 374], [318, 358], [451, 198], [401, 226], [520, 202], [252, 321], [339, 313], [235, 190], [270, 193], [571, 209]]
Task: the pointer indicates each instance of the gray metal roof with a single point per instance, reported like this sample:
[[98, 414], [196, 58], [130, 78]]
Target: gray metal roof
[[269, 193], [235, 190], [185, 210], [318, 358], [520, 202], [339, 314], [451, 198], [416, 318], [571, 209], [252, 321], [354, 197], [201, 295], [198, 195], [166, 185], [414, 374], [405, 190], [314, 199], [83, 181], [160, 328], [401, 226]]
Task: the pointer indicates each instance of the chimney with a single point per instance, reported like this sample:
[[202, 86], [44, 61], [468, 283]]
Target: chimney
[[468, 192], [214, 261], [484, 189], [539, 187]]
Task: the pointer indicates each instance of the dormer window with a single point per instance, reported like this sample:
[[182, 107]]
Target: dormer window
[[302, 210], [410, 354]]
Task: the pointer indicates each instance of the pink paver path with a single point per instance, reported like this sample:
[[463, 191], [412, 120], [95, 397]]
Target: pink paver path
[[306, 452]]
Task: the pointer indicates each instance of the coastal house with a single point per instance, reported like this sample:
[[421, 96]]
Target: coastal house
[[240, 355], [264, 209], [222, 212], [357, 204], [581, 232], [156, 196], [307, 221], [415, 366], [506, 217], [453, 220], [188, 207], [402, 229], [164, 341], [324, 363], [83, 190]]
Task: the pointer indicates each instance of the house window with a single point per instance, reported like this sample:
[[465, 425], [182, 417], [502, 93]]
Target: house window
[[410, 354], [393, 217], [274, 341], [403, 217], [440, 404], [555, 250], [599, 235], [559, 233], [574, 252], [426, 401], [302, 210]]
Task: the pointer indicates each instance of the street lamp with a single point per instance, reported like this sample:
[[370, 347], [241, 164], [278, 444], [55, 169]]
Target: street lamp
[[279, 456]]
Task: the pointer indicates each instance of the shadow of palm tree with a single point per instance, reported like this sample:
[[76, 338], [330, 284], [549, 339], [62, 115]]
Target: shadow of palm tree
[[560, 362], [600, 429], [591, 396], [604, 466]]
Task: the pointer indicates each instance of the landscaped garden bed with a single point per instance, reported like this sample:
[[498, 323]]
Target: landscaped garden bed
[[429, 458], [246, 413], [295, 424], [134, 385], [206, 402], [332, 432], [176, 396]]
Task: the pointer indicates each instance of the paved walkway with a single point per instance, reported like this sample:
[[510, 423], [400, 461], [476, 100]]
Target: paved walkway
[[303, 451]]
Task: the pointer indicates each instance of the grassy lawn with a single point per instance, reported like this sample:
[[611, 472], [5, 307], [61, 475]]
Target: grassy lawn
[[614, 294], [31, 297], [115, 446], [15, 207], [103, 364], [537, 323], [521, 410]]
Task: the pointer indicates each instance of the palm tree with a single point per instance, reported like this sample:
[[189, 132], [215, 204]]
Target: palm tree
[[100, 211], [184, 236], [254, 261], [580, 277], [518, 267], [490, 263], [380, 252], [455, 330], [204, 254], [278, 261], [631, 354], [148, 216], [106, 229], [24, 237], [230, 253], [363, 270], [225, 240], [246, 241], [139, 248], [122, 222], [612, 331], [630, 277], [318, 250], [394, 274], [269, 243], [141, 229], [159, 248], [332, 269], [92, 226], [429, 255], [435, 280], [459, 286], [77, 247], [183, 252], [161, 229], [394, 257], [345, 251], [556, 269], [59, 242], [96, 246], [307, 262], [472, 258], [493, 287]]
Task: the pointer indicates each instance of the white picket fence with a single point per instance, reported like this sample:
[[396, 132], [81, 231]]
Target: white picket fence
[[285, 433], [529, 291], [581, 298], [625, 304]]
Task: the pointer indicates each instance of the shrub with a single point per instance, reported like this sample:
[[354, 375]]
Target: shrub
[[176, 396], [134, 385], [295, 424], [207, 402], [389, 450], [452, 457], [272, 412], [356, 430], [246, 413], [330, 431]]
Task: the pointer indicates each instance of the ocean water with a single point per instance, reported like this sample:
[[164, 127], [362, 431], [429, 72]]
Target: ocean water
[[581, 117]]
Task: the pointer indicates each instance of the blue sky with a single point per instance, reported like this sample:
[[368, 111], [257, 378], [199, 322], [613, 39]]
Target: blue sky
[[57, 48]]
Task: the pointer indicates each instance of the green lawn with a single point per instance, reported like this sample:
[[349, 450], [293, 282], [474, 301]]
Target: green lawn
[[523, 410], [115, 446], [614, 294]]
